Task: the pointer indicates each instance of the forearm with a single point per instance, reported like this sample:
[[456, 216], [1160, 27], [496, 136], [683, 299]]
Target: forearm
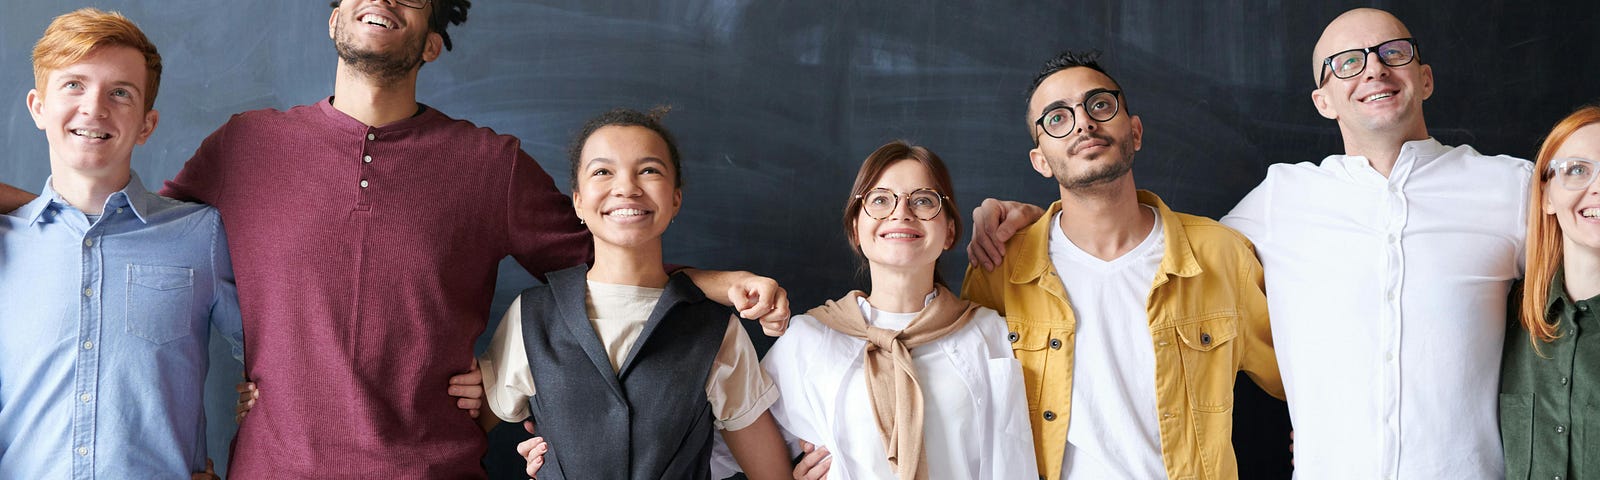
[[715, 283], [759, 449], [12, 198]]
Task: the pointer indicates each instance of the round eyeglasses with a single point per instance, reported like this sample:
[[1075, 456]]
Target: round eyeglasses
[[924, 203], [1349, 63], [1571, 173], [1059, 121]]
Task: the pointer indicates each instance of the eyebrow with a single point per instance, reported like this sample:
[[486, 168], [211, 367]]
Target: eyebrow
[[118, 83], [609, 161], [1063, 103]]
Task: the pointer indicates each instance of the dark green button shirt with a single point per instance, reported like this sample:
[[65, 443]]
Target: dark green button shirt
[[1550, 398]]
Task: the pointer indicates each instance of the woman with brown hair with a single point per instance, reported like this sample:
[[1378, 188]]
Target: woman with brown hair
[[908, 381], [1550, 375]]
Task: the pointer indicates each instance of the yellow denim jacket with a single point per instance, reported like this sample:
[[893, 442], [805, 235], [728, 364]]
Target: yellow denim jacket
[[1208, 320]]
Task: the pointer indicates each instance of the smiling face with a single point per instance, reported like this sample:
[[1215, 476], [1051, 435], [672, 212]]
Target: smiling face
[[1577, 211], [626, 191], [93, 112], [900, 241], [1094, 153], [383, 39], [1381, 100]]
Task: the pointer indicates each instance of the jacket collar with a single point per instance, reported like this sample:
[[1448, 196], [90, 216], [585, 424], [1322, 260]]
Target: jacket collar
[[1177, 259]]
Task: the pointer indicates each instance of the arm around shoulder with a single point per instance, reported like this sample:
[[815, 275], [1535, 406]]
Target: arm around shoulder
[[12, 198]]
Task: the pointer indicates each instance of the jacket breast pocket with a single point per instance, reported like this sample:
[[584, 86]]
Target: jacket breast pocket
[[1031, 345], [1516, 433], [159, 302], [1209, 368]]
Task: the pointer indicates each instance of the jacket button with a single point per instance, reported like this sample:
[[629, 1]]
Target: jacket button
[[1205, 339], [1012, 337], [1055, 344], [1049, 416]]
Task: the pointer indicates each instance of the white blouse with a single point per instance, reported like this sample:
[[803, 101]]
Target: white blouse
[[975, 412]]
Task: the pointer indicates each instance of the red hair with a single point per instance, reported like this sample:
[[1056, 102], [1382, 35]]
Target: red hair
[[75, 35], [1544, 233]]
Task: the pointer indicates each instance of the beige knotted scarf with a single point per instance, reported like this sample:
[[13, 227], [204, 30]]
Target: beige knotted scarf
[[892, 385]]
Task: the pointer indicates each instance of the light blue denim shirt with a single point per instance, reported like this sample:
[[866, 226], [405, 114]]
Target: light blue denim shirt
[[103, 335]]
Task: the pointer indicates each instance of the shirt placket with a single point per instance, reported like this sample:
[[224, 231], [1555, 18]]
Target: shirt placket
[[1392, 318], [364, 180], [87, 377]]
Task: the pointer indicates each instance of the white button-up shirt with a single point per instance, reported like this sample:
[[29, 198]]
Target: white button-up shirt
[[1388, 300], [975, 423]]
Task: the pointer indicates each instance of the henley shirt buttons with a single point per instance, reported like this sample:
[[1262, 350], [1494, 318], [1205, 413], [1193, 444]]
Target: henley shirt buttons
[[1055, 344], [1049, 416], [366, 159], [363, 184], [371, 137]]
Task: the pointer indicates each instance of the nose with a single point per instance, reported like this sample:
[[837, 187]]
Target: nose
[[1374, 67], [625, 185], [93, 106], [902, 210]]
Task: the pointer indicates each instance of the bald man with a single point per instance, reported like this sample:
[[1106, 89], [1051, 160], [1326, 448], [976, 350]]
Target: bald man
[[1387, 269]]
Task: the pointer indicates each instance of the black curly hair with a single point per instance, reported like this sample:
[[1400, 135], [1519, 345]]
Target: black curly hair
[[445, 14]]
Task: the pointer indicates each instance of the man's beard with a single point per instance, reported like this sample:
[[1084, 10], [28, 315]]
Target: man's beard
[[1107, 173], [382, 67]]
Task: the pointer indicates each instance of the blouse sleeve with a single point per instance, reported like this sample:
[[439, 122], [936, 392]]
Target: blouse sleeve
[[507, 377], [739, 391]]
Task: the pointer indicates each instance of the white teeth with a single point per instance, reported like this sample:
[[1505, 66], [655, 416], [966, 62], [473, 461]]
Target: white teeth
[[1590, 212], [376, 20], [626, 212], [899, 235], [91, 133], [1377, 96]]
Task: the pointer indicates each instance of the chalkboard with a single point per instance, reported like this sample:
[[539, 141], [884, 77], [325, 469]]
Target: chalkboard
[[776, 103]]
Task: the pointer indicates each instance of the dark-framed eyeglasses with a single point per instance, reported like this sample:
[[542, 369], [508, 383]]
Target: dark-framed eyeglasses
[[1058, 122], [1571, 173], [417, 4], [924, 203], [1349, 63]]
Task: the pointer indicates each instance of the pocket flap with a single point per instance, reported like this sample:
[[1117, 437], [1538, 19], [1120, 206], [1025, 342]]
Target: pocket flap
[[1027, 338], [1207, 334], [159, 277]]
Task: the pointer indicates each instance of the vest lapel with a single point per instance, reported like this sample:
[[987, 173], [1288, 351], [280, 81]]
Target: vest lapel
[[679, 290], [570, 288]]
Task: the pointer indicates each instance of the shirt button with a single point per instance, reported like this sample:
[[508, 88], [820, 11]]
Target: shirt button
[[1394, 238], [1561, 429], [363, 184], [1049, 416], [1563, 380], [1205, 338], [88, 242], [1055, 344], [83, 451], [372, 137], [119, 209], [366, 159], [1394, 189], [1012, 337], [1583, 306], [88, 345], [1166, 415], [88, 292], [1162, 343], [1391, 296], [85, 397]]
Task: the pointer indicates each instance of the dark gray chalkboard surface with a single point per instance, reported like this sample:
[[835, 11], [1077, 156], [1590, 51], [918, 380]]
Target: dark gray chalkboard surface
[[776, 103]]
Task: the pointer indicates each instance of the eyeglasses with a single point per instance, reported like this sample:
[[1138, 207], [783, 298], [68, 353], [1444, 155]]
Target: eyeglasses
[[1101, 106], [1349, 63], [924, 203], [1573, 173], [417, 4]]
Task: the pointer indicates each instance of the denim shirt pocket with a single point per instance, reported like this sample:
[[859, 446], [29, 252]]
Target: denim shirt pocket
[[159, 302], [1030, 344], [1516, 433], [1208, 360]]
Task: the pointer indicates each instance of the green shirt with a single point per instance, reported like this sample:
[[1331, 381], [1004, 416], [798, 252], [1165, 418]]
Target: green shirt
[[1550, 398]]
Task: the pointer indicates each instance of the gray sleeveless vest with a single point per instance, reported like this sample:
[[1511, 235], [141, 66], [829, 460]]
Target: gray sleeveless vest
[[648, 421]]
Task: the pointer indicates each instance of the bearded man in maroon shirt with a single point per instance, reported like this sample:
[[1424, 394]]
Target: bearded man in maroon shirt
[[366, 232]]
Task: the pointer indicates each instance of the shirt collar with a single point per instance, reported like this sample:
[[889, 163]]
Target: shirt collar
[[1177, 258], [134, 195], [1413, 154]]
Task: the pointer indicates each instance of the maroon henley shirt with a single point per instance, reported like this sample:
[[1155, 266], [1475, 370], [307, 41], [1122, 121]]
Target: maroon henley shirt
[[366, 260]]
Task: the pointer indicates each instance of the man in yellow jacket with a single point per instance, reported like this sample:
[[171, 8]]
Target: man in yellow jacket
[[1131, 321]]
